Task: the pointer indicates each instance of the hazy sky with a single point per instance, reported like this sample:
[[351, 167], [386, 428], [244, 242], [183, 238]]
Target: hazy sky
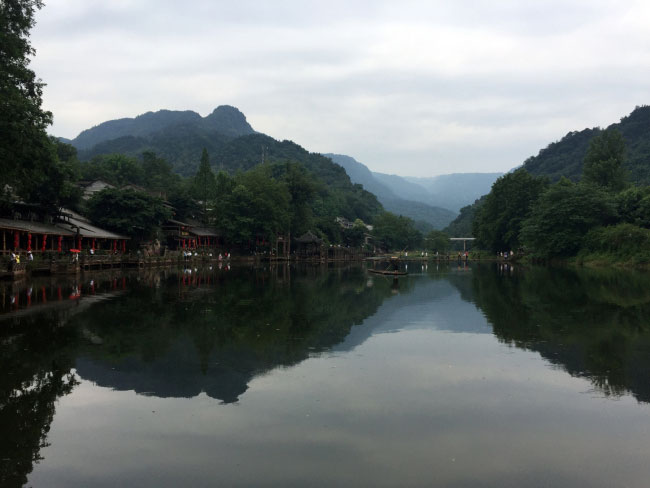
[[410, 87]]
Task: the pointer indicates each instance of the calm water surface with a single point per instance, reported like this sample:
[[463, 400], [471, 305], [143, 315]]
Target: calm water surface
[[315, 376]]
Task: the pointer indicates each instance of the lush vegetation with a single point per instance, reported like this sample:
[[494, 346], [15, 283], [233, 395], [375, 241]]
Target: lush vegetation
[[29, 160], [133, 213], [258, 204], [396, 232], [461, 226], [567, 156], [263, 188], [498, 221], [601, 218]]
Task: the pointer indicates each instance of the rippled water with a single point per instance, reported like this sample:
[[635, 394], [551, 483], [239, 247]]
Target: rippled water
[[316, 376]]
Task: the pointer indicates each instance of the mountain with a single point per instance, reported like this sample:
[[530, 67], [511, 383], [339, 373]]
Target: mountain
[[454, 191], [232, 145], [426, 215], [565, 157], [451, 192], [225, 120], [178, 136], [404, 188], [429, 199]]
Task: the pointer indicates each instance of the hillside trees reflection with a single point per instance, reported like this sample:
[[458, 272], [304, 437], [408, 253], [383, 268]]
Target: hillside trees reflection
[[593, 324], [36, 361], [215, 338], [179, 334]]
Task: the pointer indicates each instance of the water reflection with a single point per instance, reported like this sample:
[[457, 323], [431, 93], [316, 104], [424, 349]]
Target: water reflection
[[169, 333], [592, 323], [202, 332]]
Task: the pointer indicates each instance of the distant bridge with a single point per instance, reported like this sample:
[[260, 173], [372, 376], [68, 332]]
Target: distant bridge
[[464, 239]]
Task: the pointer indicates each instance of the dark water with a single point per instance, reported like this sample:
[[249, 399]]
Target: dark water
[[478, 376]]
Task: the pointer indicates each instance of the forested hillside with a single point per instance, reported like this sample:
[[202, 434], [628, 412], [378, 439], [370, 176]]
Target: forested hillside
[[565, 157]]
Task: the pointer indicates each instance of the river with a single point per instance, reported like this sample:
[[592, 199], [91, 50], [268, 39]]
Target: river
[[479, 375]]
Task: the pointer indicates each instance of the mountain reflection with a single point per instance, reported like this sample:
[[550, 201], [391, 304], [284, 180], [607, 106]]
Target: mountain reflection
[[592, 323], [180, 333], [162, 333], [202, 332]]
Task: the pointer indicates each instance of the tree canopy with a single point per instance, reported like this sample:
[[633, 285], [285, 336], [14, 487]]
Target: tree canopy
[[204, 185], [127, 211], [396, 232], [563, 216], [603, 165], [437, 241], [498, 221], [28, 157]]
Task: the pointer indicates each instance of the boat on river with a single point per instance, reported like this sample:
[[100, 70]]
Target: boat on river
[[390, 272]]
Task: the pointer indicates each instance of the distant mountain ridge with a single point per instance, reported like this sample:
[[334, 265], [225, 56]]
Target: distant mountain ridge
[[456, 190], [178, 136], [433, 199], [433, 217], [225, 120]]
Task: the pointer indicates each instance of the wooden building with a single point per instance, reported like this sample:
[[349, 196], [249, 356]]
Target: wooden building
[[309, 246], [69, 231], [26, 235], [189, 235]]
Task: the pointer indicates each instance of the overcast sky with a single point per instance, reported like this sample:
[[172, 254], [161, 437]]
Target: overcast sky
[[411, 87]]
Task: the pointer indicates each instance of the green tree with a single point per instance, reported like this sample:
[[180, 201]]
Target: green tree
[[116, 169], [437, 240], [257, 206], [128, 212], [28, 158], [633, 206], [183, 204], [204, 185], [461, 226], [396, 232], [498, 220], [603, 164], [355, 236], [158, 174], [301, 190], [563, 216]]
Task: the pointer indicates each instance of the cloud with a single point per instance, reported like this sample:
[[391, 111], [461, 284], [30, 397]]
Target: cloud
[[413, 88]]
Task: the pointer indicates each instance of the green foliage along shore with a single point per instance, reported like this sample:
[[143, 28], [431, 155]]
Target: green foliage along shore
[[600, 219], [566, 157], [263, 187], [30, 165]]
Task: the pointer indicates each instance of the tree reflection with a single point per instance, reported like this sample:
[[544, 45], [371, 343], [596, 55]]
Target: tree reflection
[[36, 361], [595, 324], [213, 332]]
